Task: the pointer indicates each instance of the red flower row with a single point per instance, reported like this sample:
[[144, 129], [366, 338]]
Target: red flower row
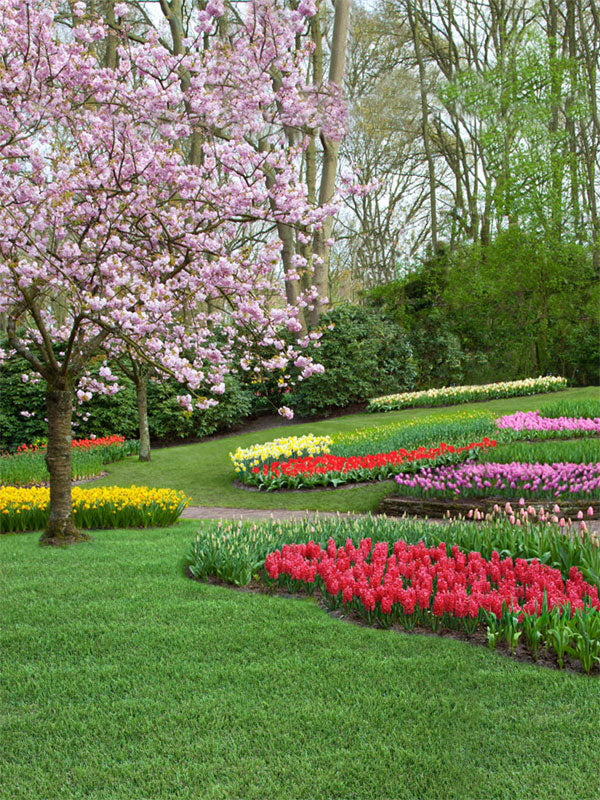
[[415, 578], [101, 441], [83, 444], [336, 469]]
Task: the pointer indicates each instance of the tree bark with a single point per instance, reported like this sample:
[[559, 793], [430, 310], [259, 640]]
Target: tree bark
[[142, 407], [61, 529], [337, 66], [412, 20]]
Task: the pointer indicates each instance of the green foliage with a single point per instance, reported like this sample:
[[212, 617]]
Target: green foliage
[[565, 407], [363, 352], [100, 416], [523, 305], [104, 415], [581, 451], [518, 302], [235, 551], [17, 396], [417, 303]]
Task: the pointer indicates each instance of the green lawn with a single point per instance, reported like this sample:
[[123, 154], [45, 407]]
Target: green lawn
[[205, 473], [122, 679]]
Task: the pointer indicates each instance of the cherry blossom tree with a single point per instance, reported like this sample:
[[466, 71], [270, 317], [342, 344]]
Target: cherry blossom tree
[[112, 239]]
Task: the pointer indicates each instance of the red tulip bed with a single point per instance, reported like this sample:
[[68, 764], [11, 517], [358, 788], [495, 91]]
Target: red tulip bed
[[332, 470], [26, 466], [426, 587]]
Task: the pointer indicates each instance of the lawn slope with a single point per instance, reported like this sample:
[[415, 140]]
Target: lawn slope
[[204, 471], [121, 679]]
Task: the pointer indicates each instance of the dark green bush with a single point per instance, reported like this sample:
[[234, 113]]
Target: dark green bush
[[15, 397], [104, 415], [364, 354], [521, 306], [168, 421]]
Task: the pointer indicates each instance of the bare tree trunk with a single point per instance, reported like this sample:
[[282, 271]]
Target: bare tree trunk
[[60, 529], [142, 407], [556, 156], [425, 124], [337, 67], [110, 57]]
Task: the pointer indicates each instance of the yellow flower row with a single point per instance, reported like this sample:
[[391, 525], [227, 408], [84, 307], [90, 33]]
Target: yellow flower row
[[452, 394], [17, 500], [290, 447]]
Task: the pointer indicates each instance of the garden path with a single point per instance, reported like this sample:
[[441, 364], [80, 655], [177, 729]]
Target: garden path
[[221, 512]]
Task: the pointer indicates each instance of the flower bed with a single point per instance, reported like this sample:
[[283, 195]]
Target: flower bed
[[425, 586], [460, 429], [27, 467], [100, 507], [578, 481], [246, 458], [450, 395], [546, 451], [533, 422], [235, 551], [366, 454], [329, 469]]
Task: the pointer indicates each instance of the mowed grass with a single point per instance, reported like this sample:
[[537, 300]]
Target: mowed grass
[[122, 679], [205, 473]]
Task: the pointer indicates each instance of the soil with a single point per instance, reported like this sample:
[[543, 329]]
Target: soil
[[246, 488]]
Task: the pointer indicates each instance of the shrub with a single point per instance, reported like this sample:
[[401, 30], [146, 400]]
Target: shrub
[[167, 420], [363, 352]]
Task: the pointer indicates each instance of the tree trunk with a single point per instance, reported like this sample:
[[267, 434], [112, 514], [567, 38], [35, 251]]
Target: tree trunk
[[142, 407], [337, 66], [60, 529], [413, 22]]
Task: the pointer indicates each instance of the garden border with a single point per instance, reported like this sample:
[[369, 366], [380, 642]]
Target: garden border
[[246, 487], [398, 506]]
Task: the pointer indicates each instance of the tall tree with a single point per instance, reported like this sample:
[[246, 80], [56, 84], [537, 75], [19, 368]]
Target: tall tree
[[100, 205], [304, 254]]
